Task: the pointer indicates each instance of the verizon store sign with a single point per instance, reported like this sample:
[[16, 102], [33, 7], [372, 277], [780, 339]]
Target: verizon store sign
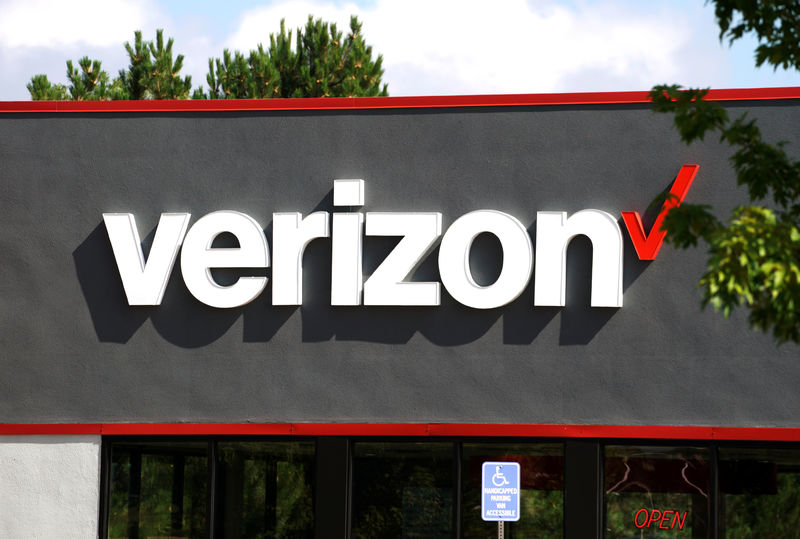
[[145, 281]]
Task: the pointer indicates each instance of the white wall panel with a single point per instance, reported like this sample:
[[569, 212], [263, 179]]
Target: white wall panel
[[49, 486]]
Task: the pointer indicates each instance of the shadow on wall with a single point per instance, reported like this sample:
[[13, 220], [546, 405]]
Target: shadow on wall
[[185, 322]]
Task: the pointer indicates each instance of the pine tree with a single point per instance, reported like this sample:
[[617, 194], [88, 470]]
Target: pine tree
[[230, 79], [41, 89], [135, 78], [286, 60], [164, 80], [89, 82], [331, 66], [265, 77], [322, 64], [151, 74]]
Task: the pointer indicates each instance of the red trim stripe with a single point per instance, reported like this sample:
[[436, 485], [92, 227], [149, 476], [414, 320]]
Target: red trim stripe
[[666, 432], [353, 103], [197, 428], [51, 428]]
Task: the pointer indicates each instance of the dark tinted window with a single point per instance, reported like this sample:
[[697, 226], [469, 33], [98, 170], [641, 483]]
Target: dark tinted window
[[656, 491], [402, 489], [265, 489], [759, 493], [159, 490]]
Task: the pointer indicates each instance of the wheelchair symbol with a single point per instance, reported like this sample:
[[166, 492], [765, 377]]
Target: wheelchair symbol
[[498, 479]]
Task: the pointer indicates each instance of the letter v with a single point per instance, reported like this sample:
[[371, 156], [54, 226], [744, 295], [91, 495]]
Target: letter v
[[144, 283], [647, 247]]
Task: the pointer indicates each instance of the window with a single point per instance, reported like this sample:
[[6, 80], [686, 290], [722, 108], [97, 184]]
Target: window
[[432, 489], [265, 489], [159, 489], [759, 492], [184, 489], [656, 491], [403, 489]]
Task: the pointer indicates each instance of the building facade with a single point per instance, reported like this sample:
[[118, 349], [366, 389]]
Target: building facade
[[318, 318]]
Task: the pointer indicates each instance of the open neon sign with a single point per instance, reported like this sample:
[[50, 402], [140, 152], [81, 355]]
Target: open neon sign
[[145, 281], [663, 520]]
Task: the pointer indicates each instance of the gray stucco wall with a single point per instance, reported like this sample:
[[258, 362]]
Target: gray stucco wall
[[71, 349]]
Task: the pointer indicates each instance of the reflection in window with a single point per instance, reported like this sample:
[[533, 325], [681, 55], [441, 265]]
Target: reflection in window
[[759, 492], [265, 489], [158, 490], [541, 496], [656, 491], [161, 489], [402, 489]]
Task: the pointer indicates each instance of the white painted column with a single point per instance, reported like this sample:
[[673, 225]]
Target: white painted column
[[49, 486]]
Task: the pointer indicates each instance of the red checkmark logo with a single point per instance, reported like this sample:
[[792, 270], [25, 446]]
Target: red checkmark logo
[[647, 246]]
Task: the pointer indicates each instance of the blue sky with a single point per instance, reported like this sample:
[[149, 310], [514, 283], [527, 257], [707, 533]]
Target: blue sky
[[430, 47]]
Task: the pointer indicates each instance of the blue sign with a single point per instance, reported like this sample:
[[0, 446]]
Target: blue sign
[[500, 491]]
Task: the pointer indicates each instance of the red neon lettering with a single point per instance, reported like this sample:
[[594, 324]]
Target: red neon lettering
[[660, 518], [647, 247], [636, 518], [681, 522], [655, 515]]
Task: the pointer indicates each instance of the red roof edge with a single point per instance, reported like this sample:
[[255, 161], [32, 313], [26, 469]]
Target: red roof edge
[[373, 103]]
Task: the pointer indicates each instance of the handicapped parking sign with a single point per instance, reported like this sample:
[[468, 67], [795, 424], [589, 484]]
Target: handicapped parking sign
[[500, 491]]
